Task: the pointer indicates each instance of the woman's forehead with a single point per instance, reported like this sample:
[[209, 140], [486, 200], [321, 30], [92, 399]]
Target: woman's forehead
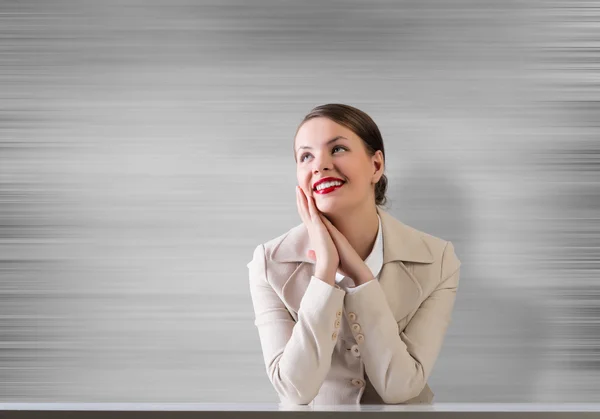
[[322, 124], [317, 135]]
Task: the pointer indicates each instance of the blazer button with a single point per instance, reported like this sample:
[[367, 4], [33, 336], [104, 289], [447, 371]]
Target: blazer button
[[337, 324], [334, 336], [356, 327], [338, 314], [357, 382], [360, 338], [352, 316], [355, 351]]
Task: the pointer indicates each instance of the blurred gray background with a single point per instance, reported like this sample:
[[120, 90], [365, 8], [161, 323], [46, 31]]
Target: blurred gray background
[[146, 149]]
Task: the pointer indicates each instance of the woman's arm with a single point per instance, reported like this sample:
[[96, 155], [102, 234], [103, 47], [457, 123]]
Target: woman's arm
[[399, 364], [297, 356]]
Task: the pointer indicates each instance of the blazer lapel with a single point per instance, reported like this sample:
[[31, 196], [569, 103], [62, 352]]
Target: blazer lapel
[[401, 243], [293, 249]]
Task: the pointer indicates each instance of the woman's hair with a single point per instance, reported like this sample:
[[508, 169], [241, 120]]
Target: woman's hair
[[362, 125]]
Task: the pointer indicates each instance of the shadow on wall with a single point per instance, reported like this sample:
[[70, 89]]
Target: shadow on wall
[[492, 348], [569, 262]]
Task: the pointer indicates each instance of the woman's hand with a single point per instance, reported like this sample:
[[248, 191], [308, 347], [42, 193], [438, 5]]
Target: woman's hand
[[351, 264], [327, 257]]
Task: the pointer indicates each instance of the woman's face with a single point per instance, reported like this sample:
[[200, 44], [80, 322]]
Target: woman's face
[[345, 158]]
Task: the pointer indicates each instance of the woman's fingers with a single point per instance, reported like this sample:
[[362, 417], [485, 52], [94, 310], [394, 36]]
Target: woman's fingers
[[308, 208], [332, 230], [312, 209], [301, 202]]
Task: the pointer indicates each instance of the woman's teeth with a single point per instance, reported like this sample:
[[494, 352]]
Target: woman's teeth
[[328, 185]]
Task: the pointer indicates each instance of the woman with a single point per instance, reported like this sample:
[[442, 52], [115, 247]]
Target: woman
[[351, 305]]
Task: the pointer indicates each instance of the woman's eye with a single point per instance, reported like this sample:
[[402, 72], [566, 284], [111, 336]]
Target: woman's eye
[[333, 149]]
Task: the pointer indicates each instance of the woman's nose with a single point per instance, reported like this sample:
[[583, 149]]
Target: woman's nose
[[321, 164]]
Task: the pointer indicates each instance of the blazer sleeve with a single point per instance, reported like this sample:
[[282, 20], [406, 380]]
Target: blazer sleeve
[[399, 364], [297, 355]]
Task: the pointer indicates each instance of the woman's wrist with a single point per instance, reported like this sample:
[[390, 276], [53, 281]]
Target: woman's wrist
[[325, 275]]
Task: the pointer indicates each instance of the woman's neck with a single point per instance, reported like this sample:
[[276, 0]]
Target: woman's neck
[[359, 227]]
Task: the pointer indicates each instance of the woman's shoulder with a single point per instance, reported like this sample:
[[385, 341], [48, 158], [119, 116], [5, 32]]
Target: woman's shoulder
[[422, 246], [287, 246], [401, 228], [435, 243]]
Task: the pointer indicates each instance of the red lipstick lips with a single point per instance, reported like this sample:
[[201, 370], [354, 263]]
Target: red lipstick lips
[[328, 189]]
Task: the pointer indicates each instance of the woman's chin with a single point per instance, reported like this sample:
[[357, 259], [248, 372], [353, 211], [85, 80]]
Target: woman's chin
[[329, 207]]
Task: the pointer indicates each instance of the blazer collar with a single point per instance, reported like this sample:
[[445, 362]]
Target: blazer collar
[[400, 243]]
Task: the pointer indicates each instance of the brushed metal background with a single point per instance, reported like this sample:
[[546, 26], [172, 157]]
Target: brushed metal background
[[146, 149]]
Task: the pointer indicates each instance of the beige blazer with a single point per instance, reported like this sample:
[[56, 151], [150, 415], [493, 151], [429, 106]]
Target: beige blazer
[[323, 346]]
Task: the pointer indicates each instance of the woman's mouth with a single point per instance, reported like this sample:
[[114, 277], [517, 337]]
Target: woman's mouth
[[329, 189]]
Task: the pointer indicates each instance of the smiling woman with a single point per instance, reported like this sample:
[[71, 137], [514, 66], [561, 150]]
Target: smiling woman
[[351, 305], [358, 129]]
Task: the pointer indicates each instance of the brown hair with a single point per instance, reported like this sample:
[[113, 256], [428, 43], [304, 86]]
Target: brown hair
[[362, 125]]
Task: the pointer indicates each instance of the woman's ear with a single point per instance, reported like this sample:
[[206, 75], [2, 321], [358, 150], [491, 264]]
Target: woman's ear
[[378, 166]]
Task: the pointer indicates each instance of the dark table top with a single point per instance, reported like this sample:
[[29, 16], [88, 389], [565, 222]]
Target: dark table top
[[266, 410]]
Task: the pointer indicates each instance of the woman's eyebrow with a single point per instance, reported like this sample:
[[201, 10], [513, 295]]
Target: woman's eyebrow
[[339, 137]]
